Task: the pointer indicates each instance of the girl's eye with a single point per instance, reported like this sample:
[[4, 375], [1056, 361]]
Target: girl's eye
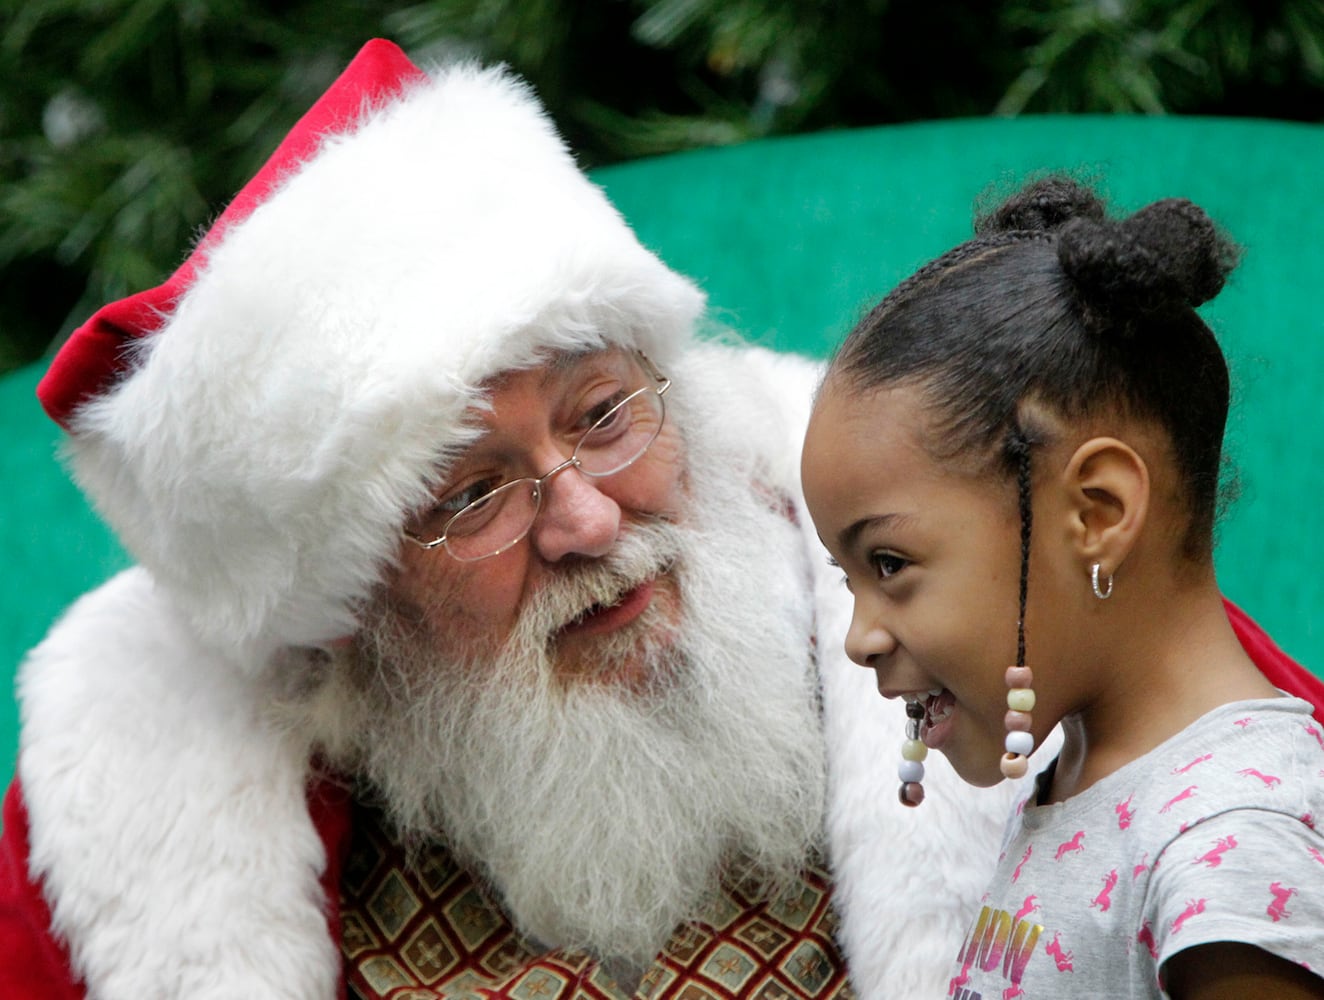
[[887, 565]]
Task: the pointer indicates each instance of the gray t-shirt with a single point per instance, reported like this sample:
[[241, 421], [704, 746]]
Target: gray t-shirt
[[1211, 836]]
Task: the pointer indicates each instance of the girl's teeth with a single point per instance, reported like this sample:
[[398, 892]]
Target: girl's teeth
[[930, 693]]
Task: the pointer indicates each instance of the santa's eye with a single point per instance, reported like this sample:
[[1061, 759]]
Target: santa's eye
[[603, 411], [458, 500]]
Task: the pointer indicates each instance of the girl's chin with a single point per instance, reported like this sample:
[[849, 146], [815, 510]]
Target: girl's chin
[[987, 780], [975, 757], [979, 772]]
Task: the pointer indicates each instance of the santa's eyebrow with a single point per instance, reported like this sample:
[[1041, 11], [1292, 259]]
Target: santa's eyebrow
[[549, 366], [565, 361]]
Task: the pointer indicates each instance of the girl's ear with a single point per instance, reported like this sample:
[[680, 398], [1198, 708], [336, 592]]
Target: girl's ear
[[1109, 492]]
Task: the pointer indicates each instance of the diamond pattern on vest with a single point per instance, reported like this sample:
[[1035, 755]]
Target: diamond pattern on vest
[[428, 930]]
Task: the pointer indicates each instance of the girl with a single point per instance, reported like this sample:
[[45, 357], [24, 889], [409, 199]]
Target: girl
[[1015, 460]]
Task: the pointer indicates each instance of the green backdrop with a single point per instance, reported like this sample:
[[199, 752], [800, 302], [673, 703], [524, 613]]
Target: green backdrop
[[793, 238]]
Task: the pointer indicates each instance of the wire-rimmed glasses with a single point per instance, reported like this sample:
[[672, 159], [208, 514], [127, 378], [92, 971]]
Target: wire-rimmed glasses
[[501, 518]]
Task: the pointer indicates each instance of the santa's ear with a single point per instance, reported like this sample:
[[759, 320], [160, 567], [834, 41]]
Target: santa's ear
[[1108, 493]]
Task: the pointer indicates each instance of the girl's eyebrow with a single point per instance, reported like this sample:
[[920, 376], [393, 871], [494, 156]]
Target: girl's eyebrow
[[848, 536]]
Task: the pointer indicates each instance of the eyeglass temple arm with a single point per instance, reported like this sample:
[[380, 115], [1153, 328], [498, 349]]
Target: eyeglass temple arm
[[656, 375]]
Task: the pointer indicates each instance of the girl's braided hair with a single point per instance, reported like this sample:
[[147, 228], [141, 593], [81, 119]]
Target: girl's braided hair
[[1052, 301]]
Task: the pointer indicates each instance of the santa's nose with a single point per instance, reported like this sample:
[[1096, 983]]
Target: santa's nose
[[576, 517]]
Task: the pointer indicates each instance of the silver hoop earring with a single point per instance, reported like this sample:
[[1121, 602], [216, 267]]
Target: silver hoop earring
[[1099, 592]]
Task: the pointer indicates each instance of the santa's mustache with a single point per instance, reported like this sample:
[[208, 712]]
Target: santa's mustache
[[645, 550]]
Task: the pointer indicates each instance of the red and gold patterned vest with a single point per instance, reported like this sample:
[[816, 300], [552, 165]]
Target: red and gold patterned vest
[[429, 931]]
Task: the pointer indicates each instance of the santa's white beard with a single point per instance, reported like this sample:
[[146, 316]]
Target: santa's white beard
[[603, 815]]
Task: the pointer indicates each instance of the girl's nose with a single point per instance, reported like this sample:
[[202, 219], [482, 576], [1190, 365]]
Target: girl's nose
[[867, 641]]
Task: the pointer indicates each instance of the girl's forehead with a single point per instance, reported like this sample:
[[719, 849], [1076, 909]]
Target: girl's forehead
[[897, 410], [871, 453], [854, 434]]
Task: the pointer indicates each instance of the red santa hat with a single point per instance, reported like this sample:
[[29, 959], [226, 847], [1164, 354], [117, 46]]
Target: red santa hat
[[97, 352], [256, 427]]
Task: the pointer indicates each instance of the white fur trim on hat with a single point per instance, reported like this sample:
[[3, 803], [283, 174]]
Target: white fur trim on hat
[[314, 378]]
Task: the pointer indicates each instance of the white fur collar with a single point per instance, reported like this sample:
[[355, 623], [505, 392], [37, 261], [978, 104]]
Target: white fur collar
[[168, 826]]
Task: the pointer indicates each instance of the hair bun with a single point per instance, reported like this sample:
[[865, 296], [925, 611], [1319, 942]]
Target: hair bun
[[1166, 256], [1044, 206]]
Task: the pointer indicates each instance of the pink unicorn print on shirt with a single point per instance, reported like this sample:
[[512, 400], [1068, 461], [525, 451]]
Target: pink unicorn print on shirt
[[1104, 899], [1214, 856], [1029, 906], [1243, 723], [957, 982], [1141, 868], [1186, 793], [1314, 731], [1146, 937], [1193, 907], [1076, 843], [1062, 958], [1198, 760], [1316, 854], [1270, 781], [1124, 813], [1016, 875], [1277, 909]]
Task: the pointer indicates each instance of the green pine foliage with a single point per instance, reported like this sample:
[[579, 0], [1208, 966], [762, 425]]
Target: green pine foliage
[[1197, 56], [126, 124]]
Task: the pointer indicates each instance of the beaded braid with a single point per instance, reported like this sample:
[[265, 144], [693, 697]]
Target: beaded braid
[[1020, 679]]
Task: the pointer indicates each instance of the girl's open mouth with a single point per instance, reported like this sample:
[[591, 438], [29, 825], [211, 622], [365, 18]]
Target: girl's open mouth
[[936, 726]]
